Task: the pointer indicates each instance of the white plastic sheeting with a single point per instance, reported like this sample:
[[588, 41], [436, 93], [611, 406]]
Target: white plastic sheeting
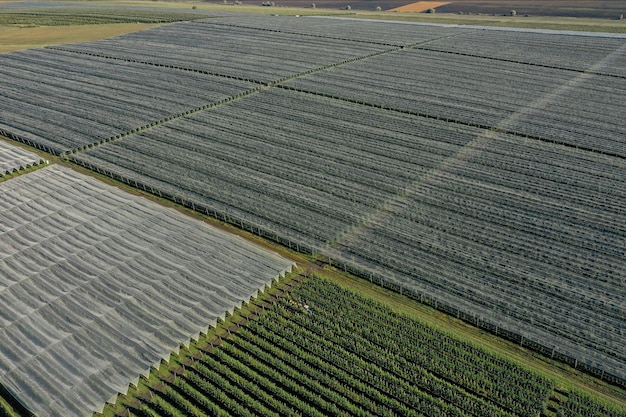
[[97, 285], [14, 157]]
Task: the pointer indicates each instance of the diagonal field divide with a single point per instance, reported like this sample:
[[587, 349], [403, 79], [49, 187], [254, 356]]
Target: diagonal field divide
[[260, 85], [397, 203]]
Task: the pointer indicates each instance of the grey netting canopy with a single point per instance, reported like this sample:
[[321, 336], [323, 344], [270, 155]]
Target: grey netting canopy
[[13, 157], [97, 285]]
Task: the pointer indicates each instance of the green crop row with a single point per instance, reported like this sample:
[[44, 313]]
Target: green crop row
[[319, 350]]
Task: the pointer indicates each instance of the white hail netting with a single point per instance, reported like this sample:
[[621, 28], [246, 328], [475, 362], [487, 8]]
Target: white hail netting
[[14, 157], [97, 285]]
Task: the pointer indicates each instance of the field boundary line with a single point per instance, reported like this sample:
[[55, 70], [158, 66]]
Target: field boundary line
[[351, 60], [455, 121], [533, 64], [137, 61], [310, 35], [164, 120]]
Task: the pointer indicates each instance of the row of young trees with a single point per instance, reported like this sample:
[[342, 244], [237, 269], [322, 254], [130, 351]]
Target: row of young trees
[[579, 404], [320, 350]]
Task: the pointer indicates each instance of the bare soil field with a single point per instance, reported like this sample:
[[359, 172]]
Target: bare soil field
[[16, 38], [420, 6], [568, 8]]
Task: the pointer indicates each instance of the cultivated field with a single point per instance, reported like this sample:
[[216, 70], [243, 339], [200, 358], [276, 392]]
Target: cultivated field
[[526, 99], [319, 350], [249, 54], [85, 99], [309, 347], [474, 170], [404, 218], [393, 196], [385, 172]]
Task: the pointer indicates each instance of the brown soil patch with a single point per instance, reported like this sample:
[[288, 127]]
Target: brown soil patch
[[420, 6], [16, 38]]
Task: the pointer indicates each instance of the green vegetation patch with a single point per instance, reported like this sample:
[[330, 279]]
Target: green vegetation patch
[[319, 350], [87, 16], [534, 22], [6, 410], [309, 347], [579, 404]]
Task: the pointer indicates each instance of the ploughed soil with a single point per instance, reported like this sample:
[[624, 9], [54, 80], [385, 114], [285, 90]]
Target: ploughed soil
[[570, 8], [420, 6]]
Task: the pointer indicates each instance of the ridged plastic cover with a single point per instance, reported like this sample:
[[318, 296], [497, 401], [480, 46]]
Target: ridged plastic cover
[[98, 285]]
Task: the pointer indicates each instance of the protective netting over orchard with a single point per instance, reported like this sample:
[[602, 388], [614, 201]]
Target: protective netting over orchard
[[480, 171], [15, 158], [518, 234], [60, 101], [347, 30], [98, 285], [262, 56]]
